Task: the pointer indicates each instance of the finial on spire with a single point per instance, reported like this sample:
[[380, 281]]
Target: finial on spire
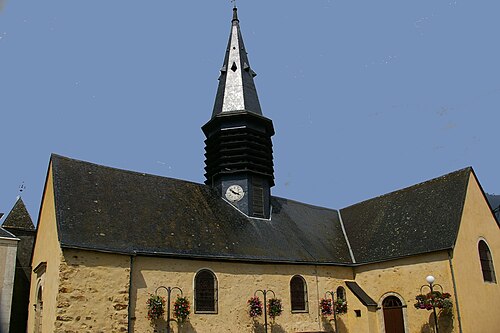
[[22, 187], [235, 12]]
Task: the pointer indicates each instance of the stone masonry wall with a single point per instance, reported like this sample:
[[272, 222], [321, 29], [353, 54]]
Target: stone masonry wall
[[93, 292]]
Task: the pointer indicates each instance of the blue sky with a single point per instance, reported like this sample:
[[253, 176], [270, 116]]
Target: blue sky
[[366, 96]]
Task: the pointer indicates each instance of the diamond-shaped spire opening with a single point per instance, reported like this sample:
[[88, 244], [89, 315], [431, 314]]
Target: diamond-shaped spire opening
[[234, 67]]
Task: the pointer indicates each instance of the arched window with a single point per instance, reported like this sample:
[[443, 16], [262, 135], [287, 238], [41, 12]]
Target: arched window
[[298, 294], [486, 262], [341, 293], [38, 310], [205, 292]]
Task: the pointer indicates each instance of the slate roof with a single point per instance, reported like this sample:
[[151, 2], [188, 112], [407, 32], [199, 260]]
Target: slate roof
[[120, 211], [107, 209], [5, 234], [19, 223], [360, 293], [418, 219], [236, 90], [19, 218]]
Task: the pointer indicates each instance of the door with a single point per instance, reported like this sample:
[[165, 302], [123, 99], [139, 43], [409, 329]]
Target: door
[[393, 315]]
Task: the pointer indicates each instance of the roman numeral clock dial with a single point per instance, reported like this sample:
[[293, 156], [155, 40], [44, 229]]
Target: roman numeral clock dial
[[235, 193]]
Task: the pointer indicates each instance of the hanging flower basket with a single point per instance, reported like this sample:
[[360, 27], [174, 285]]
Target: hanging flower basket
[[181, 309], [274, 307], [156, 307], [326, 307], [340, 306], [255, 307], [435, 299]]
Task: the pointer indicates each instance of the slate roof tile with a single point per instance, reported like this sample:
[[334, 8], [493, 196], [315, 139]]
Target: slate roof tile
[[19, 218], [418, 219], [114, 210]]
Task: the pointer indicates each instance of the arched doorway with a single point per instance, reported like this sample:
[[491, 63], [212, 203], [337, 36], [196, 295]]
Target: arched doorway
[[38, 310], [393, 315]]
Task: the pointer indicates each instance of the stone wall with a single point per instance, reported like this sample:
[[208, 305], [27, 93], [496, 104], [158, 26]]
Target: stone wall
[[93, 292], [8, 249], [479, 300], [403, 278], [237, 282]]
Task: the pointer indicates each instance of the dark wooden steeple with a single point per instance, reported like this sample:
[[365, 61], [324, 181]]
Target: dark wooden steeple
[[238, 151]]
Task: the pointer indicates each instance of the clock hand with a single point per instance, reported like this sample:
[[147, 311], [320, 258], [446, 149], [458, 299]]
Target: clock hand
[[234, 192]]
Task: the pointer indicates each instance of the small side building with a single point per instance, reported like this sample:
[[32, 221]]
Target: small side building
[[8, 251], [19, 223]]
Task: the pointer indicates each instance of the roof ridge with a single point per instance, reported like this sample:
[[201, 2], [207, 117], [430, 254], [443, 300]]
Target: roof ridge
[[123, 170], [469, 169], [306, 204]]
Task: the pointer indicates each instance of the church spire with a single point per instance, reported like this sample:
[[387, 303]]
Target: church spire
[[238, 148], [236, 91]]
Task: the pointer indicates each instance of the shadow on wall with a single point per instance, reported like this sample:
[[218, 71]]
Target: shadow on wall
[[341, 325], [445, 322], [272, 328], [160, 326], [328, 324], [258, 327], [277, 328]]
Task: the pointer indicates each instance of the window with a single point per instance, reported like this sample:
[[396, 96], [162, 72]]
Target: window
[[298, 294], [205, 292], [486, 262], [341, 293], [38, 310]]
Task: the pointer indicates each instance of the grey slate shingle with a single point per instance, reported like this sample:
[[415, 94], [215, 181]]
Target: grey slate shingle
[[419, 219]]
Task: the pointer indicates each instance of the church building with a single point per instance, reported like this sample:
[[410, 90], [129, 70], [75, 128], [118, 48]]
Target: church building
[[107, 239]]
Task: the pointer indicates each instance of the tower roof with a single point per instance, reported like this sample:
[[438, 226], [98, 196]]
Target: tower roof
[[236, 91], [19, 218]]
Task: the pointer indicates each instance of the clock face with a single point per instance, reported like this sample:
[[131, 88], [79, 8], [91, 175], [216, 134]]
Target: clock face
[[234, 193]]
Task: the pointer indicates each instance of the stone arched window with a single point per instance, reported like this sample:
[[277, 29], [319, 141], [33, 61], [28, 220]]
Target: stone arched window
[[39, 309], [341, 293], [205, 292], [298, 294], [486, 262]]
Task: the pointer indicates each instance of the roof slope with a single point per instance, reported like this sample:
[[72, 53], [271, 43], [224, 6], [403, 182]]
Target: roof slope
[[18, 222], [5, 234], [108, 209], [19, 218], [418, 219]]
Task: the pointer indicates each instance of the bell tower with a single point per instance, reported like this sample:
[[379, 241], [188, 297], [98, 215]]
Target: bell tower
[[238, 148]]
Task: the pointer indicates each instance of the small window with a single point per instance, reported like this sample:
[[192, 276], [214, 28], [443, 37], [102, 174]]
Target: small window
[[298, 294], [205, 292], [486, 262], [341, 293]]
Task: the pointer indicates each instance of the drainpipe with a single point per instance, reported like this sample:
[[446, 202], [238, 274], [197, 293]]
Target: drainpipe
[[455, 291], [317, 296], [129, 321]]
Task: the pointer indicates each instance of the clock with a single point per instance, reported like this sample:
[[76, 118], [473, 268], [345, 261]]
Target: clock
[[234, 193]]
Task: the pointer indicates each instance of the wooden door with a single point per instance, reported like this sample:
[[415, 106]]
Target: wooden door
[[393, 315]]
